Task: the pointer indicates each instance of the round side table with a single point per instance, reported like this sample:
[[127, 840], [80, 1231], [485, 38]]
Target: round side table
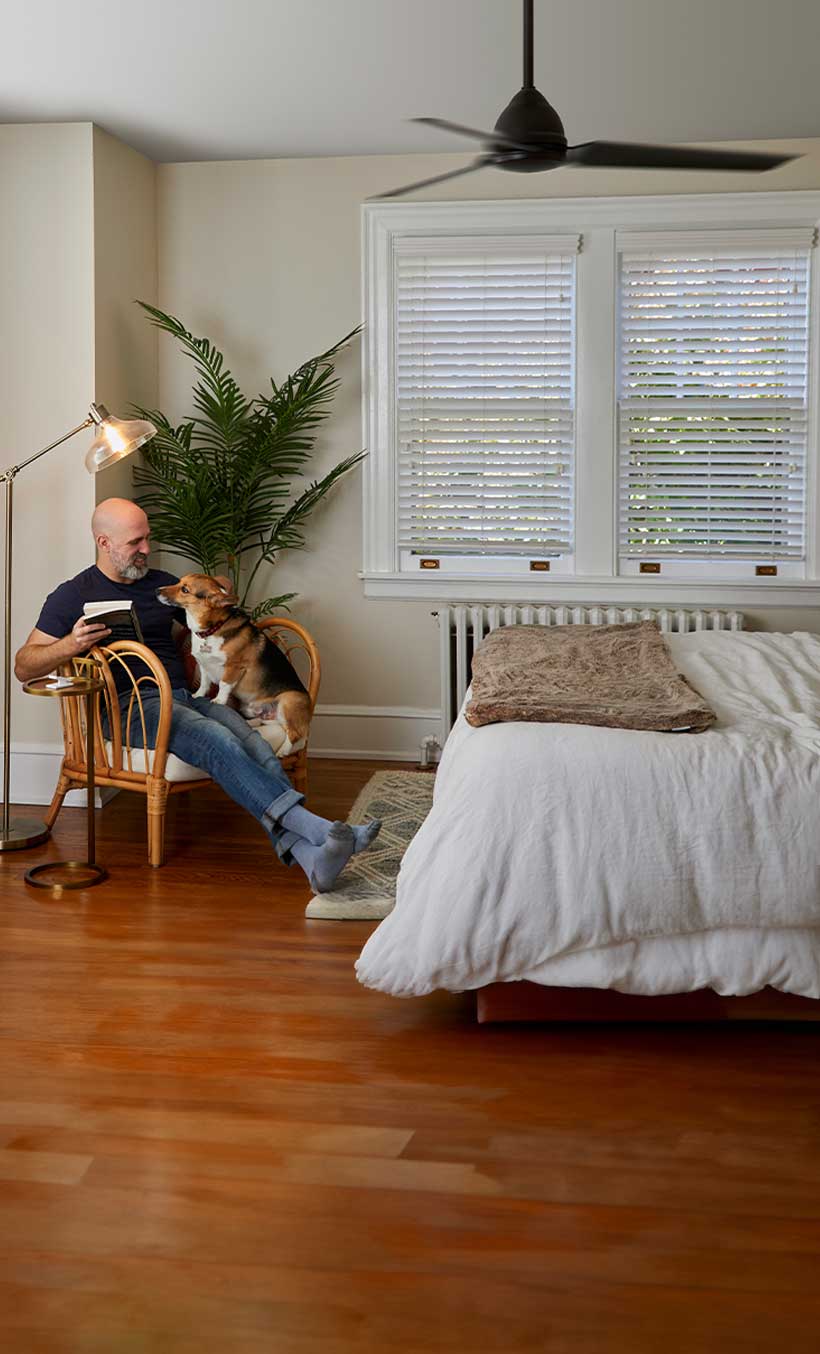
[[72, 874]]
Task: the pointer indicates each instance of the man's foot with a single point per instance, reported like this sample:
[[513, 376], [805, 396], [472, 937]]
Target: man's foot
[[323, 864], [364, 834], [315, 830]]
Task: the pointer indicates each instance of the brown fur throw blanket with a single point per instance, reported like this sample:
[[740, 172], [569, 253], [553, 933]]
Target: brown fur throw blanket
[[621, 676]]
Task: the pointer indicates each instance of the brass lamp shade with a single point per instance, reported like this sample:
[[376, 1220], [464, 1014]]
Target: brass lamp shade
[[116, 438]]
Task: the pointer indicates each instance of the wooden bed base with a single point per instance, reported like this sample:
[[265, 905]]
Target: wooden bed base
[[531, 1001]]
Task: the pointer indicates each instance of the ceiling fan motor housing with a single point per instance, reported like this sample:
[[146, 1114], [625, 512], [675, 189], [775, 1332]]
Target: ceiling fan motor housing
[[530, 119]]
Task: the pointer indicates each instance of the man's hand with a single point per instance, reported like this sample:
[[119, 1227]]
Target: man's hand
[[85, 634], [42, 653]]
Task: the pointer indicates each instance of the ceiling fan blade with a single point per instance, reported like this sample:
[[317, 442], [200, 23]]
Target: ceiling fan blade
[[625, 155], [490, 138], [438, 178]]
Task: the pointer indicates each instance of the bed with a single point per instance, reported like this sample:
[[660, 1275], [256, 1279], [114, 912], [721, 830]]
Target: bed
[[626, 864]]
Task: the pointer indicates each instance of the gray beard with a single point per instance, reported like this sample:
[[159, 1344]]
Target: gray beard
[[133, 572]]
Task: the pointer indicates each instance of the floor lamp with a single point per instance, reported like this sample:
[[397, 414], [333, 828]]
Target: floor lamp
[[116, 438]]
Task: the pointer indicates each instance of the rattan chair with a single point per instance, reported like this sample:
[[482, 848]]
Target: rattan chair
[[157, 773]]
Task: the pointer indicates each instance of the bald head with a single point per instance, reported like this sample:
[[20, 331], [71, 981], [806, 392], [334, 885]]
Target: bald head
[[122, 537]]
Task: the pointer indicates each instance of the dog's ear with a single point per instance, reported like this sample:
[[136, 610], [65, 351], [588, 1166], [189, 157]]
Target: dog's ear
[[226, 587]]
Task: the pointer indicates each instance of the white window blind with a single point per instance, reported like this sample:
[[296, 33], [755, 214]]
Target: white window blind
[[713, 394], [484, 395]]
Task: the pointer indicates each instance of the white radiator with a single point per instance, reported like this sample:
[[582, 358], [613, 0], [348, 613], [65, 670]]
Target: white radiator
[[462, 627]]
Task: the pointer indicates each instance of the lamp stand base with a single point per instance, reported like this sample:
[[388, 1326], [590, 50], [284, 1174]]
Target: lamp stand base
[[23, 832], [65, 874]]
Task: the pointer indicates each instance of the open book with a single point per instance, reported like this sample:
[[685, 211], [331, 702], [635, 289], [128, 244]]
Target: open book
[[120, 617]]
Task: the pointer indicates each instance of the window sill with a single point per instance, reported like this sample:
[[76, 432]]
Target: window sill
[[437, 587]]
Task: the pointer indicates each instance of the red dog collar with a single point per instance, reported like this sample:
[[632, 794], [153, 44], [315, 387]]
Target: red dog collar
[[212, 629]]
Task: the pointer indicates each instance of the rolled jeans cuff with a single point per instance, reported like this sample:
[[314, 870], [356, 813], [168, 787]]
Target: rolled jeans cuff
[[282, 845], [282, 839]]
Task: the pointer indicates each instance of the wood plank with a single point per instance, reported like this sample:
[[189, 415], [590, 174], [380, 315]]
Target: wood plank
[[53, 1168], [301, 1168], [199, 1126]]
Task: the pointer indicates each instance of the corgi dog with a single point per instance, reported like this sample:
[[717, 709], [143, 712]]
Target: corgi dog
[[231, 651]]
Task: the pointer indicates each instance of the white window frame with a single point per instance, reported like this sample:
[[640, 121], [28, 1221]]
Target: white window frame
[[597, 220]]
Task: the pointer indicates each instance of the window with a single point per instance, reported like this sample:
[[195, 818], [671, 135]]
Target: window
[[598, 400], [713, 398], [484, 399]]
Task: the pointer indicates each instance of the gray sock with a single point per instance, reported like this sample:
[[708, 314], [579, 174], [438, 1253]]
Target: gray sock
[[315, 829], [308, 825], [364, 834], [323, 864]]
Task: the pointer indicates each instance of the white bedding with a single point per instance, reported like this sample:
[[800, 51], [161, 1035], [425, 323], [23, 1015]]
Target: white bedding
[[578, 856]]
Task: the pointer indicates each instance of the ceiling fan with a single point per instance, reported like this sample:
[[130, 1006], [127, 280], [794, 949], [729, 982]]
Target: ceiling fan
[[529, 138]]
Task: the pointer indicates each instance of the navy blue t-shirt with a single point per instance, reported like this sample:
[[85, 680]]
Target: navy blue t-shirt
[[64, 607]]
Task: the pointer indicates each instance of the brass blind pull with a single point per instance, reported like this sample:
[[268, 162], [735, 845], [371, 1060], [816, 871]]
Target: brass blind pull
[[429, 564], [649, 568], [766, 570], [540, 566]]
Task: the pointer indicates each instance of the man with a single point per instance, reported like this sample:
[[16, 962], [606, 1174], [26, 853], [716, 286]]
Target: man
[[212, 737]]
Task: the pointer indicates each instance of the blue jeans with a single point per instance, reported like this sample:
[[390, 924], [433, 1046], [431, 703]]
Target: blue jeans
[[219, 741]]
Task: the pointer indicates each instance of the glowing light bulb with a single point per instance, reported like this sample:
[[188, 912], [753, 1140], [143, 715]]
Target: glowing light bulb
[[116, 438]]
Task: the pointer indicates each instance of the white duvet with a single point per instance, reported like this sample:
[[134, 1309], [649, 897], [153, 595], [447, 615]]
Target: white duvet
[[650, 862]]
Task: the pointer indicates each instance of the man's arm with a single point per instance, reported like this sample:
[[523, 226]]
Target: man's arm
[[42, 653]]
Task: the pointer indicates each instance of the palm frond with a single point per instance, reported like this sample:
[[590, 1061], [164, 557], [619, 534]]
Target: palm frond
[[286, 533], [169, 443], [217, 486], [216, 395], [270, 605]]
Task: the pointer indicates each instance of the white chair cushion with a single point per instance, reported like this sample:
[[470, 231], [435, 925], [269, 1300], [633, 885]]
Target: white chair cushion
[[175, 770]]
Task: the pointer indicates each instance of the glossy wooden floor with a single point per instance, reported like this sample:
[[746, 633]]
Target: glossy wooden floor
[[212, 1139]]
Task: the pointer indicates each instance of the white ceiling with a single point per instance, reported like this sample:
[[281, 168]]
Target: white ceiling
[[244, 79]]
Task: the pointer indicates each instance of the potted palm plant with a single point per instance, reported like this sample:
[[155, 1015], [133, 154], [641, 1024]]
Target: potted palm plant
[[217, 486]]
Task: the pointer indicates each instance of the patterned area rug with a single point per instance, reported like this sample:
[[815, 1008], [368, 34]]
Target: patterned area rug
[[367, 891]]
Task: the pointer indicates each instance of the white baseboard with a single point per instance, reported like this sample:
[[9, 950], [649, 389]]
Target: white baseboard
[[35, 768], [363, 754], [390, 733]]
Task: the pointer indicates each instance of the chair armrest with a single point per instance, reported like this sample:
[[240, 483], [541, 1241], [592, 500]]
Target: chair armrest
[[112, 656], [293, 638]]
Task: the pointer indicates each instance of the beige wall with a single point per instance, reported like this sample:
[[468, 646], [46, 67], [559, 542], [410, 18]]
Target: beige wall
[[77, 244], [47, 368], [125, 269], [263, 256]]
